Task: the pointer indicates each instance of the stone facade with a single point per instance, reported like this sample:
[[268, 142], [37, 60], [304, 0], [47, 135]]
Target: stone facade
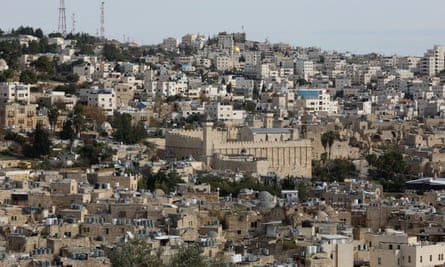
[[285, 153]]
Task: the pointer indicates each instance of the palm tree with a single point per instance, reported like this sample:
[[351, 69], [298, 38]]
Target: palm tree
[[327, 140], [78, 123], [53, 114]]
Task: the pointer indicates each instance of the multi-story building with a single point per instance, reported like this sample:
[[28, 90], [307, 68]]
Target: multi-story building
[[252, 57], [16, 112], [222, 112], [225, 41], [316, 100], [124, 93], [14, 92], [21, 117], [103, 98], [224, 63], [170, 44], [433, 61], [259, 71], [304, 68], [398, 249]]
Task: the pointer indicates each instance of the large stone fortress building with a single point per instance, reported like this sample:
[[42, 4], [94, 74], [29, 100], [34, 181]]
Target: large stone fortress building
[[278, 150]]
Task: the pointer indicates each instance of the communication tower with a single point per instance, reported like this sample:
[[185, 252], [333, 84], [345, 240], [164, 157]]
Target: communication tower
[[102, 21], [73, 20], [62, 18]]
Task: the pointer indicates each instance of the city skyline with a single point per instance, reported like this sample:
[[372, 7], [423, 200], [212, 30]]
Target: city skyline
[[379, 26]]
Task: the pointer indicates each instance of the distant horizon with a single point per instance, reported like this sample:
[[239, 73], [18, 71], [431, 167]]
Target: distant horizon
[[360, 27]]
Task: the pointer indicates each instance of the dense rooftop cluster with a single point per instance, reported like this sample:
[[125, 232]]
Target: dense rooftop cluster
[[218, 151]]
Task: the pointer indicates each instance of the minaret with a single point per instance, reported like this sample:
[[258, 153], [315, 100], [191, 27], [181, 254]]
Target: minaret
[[268, 120], [207, 141]]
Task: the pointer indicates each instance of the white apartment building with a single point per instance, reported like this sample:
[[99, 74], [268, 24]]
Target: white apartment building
[[259, 71], [357, 107], [225, 40], [315, 101], [342, 81], [304, 68], [433, 61], [224, 63], [188, 39], [222, 112], [252, 57], [12, 92], [409, 63], [170, 44], [103, 98], [386, 96]]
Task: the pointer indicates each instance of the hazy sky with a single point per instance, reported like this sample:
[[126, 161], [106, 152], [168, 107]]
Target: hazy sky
[[384, 26]]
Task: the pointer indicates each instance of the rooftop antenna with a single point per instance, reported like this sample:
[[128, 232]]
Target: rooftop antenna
[[73, 20], [62, 18], [102, 21]]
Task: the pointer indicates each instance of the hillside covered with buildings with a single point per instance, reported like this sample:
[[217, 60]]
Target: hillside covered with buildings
[[218, 151]]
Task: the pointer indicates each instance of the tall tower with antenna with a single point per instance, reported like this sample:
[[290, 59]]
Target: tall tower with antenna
[[62, 18], [102, 21], [73, 21]]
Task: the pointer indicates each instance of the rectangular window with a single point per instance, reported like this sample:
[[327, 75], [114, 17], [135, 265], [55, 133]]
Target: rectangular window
[[379, 261]]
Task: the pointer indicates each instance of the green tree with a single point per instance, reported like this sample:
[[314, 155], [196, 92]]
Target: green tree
[[250, 106], [78, 123], [140, 253], [335, 170], [45, 47], [28, 76], [68, 130], [390, 170], [125, 131], [371, 159], [136, 253], [7, 75], [11, 51], [53, 115], [112, 52], [41, 145], [44, 64], [160, 180], [327, 140], [229, 88], [94, 153], [188, 257], [301, 82]]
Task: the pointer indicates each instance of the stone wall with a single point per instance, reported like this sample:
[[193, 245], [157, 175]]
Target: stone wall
[[291, 157]]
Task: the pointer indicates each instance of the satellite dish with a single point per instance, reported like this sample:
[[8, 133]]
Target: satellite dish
[[116, 195]]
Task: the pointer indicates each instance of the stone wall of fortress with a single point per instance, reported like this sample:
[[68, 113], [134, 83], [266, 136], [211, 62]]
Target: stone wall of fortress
[[291, 157], [284, 157], [179, 145]]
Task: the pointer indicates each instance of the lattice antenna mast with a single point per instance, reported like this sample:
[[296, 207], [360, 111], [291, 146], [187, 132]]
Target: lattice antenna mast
[[102, 21], [62, 18], [73, 20]]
